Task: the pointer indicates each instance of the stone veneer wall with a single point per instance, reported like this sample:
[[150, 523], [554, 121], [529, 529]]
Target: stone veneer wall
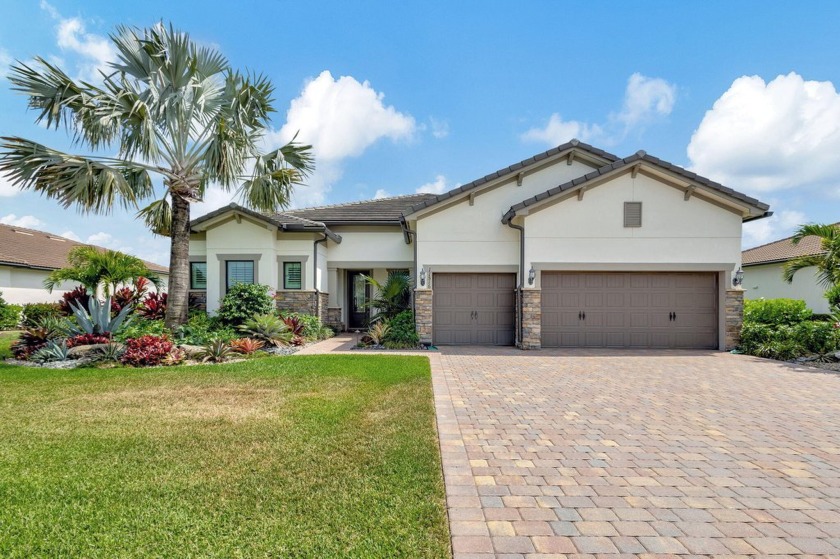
[[197, 300], [530, 337], [734, 317], [333, 319], [323, 304], [296, 301], [423, 314]]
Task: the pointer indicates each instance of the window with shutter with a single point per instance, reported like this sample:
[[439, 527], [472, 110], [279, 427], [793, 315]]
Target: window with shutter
[[198, 275], [239, 271], [632, 214], [292, 275]]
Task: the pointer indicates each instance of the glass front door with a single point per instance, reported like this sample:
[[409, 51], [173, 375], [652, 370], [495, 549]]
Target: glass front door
[[359, 290]]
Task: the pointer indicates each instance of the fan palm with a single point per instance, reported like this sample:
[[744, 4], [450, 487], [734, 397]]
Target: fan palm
[[827, 262], [94, 267], [170, 109]]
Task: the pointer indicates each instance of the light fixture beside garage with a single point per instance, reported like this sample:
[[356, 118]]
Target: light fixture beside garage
[[532, 275], [739, 278], [423, 276]]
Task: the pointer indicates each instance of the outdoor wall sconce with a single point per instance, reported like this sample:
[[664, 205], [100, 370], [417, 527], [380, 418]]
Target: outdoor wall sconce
[[532, 275], [423, 277], [739, 278]]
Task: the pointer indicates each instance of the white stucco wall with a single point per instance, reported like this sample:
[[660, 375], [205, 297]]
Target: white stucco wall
[[473, 235], [673, 231], [765, 281]]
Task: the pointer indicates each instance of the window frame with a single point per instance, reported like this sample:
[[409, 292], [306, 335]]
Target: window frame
[[299, 264], [192, 275], [228, 262]]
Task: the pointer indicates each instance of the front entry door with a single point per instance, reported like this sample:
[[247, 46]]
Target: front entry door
[[359, 290]]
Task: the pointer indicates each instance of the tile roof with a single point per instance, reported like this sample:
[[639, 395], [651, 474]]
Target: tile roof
[[781, 251], [572, 144], [29, 248], [284, 220], [639, 156], [382, 210]]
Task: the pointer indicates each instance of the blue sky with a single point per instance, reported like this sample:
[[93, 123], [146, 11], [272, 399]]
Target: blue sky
[[401, 97]]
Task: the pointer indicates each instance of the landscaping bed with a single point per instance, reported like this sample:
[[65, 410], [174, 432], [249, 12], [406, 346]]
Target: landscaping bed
[[305, 456]]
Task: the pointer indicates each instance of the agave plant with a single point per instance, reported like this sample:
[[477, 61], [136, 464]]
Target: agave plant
[[217, 351], [48, 328], [246, 346], [268, 328], [379, 331], [111, 352], [53, 351], [97, 318]]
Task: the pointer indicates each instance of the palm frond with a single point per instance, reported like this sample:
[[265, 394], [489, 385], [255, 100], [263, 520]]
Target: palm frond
[[830, 233], [89, 183], [792, 266], [158, 217]]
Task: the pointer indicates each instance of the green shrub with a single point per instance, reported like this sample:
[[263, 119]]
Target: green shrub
[[311, 324], [401, 334], [776, 311], [9, 314], [270, 329], [833, 296], [816, 337], [244, 301], [33, 313], [140, 327], [201, 329]]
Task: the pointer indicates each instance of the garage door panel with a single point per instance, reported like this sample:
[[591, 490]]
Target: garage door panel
[[473, 309], [629, 309]]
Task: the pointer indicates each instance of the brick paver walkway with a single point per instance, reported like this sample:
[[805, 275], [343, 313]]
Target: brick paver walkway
[[644, 453], [651, 454]]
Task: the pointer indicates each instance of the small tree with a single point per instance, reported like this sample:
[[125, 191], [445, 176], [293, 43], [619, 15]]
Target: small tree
[[391, 298], [94, 268], [827, 262]]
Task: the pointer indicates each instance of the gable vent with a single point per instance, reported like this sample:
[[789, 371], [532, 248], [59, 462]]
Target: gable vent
[[632, 214]]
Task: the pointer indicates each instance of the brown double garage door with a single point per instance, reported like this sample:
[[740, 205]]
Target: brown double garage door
[[582, 309]]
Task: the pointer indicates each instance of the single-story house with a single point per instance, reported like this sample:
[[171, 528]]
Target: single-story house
[[574, 247], [28, 256], [763, 273]]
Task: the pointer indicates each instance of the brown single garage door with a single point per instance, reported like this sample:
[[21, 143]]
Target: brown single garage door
[[630, 310], [473, 309]]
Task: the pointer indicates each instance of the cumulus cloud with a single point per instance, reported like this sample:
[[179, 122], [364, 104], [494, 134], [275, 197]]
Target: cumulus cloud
[[27, 221], [645, 100], [766, 136], [773, 228], [93, 51], [438, 186], [102, 239], [71, 235], [381, 193]]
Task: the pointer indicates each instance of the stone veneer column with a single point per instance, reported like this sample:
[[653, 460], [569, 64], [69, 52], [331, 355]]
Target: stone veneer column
[[531, 319], [323, 305], [734, 310], [333, 319], [423, 314]]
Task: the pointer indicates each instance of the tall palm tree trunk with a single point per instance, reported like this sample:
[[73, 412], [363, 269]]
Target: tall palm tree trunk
[[179, 265]]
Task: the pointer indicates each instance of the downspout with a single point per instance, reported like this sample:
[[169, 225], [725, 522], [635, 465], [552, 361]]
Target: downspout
[[315, 274], [411, 237], [521, 229]]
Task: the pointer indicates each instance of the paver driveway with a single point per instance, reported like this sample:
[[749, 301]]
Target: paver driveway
[[644, 452]]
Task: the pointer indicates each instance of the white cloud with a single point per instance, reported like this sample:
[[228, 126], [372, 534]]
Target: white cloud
[[438, 186], [94, 51], [773, 228], [558, 131], [645, 99], [7, 189], [71, 235], [101, 239], [440, 128], [381, 193], [341, 118], [27, 221], [762, 137]]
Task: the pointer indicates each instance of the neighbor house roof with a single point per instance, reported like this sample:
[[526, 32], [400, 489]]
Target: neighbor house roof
[[285, 221], [28, 248], [577, 145], [781, 251], [629, 162], [375, 212]]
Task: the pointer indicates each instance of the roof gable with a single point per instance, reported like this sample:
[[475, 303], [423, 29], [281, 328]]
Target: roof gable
[[283, 221], [636, 162], [574, 148]]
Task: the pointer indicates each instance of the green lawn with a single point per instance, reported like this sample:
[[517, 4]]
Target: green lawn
[[311, 456]]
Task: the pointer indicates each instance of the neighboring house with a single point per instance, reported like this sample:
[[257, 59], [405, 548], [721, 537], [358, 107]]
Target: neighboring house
[[763, 273], [573, 247], [28, 256]]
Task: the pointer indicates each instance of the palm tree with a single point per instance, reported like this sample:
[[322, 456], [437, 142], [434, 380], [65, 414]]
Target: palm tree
[[827, 262], [391, 298], [170, 109], [94, 268]]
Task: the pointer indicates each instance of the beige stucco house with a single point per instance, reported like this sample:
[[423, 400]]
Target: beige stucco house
[[573, 247], [763, 267], [27, 256]]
